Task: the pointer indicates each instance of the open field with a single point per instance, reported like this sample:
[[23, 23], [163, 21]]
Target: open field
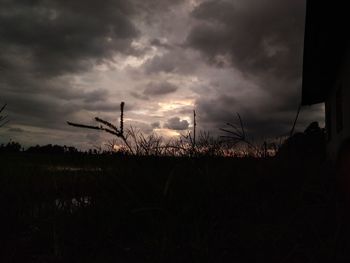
[[94, 208]]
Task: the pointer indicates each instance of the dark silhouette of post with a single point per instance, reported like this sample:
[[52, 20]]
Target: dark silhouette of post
[[295, 121], [194, 128]]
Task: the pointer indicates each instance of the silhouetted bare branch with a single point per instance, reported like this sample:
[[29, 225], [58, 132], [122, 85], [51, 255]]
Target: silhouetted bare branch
[[3, 119], [238, 134], [112, 129]]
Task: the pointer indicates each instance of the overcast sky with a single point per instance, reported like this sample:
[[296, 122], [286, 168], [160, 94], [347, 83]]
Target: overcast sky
[[74, 60]]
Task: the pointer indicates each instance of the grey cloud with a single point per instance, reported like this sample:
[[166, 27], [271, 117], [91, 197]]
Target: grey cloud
[[177, 61], [103, 106], [155, 125], [258, 36], [151, 9], [260, 121], [46, 44], [176, 124], [93, 137], [160, 43], [262, 39], [38, 110], [45, 111], [15, 130], [156, 5], [95, 95], [154, 89], [139, 96], [159, 88], [58, 37], [160, 64]]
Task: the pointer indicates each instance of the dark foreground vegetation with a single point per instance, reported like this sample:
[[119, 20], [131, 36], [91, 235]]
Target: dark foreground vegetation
[[71, 207]]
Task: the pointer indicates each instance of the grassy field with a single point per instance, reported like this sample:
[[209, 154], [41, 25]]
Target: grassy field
[[115, 208]]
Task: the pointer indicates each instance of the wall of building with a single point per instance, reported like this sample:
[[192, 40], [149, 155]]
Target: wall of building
[[338, 136]]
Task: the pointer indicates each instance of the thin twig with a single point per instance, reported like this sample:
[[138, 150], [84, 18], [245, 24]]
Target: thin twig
[[3, 107], [295, 121], [110, 125]]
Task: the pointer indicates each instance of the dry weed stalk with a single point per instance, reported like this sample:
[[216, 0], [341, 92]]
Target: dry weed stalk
[[147, 145], [189, 145], [194, 128], [204, 145], [295, 121], [237, 135], [109, 127], [3, 119], [209, 146]]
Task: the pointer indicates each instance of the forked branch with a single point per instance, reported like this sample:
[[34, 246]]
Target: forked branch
[[108, 127], [238, 134]]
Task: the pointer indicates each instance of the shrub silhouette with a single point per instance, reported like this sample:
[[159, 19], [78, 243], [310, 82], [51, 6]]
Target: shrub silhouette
[[309, 143], [11, 147]]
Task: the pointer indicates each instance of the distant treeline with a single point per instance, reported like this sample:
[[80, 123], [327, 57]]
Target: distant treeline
[[14, 147]]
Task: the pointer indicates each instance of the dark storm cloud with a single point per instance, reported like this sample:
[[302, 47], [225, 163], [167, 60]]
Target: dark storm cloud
[[156, 5], [160, 43], [44, 43], [172, 62], [151, 9], [42, 110], [155, 89], [176, 60], [15, 130], [102, 106], [55, 52], [258, 122], [263, 39], [160, 64], [95, 95], [261, 120], [159, 88], [139, 96], [93, 137], [176, 124], [155, 125], [57, 37], [38, 110], [258, 36]]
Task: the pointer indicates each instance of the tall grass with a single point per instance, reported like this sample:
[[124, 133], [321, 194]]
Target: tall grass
[[162, 209], [133, 141]]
